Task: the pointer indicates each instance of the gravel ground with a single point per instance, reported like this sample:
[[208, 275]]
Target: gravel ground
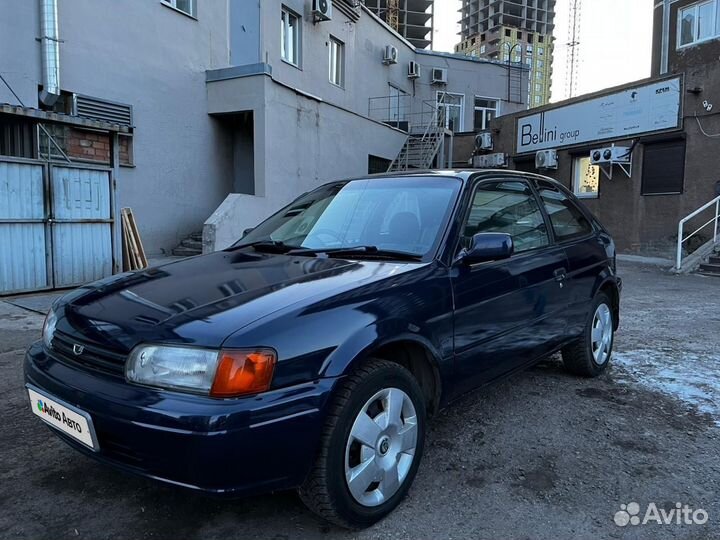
[[542, 455]]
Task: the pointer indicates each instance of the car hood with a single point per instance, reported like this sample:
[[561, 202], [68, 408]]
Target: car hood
[[203, 300]]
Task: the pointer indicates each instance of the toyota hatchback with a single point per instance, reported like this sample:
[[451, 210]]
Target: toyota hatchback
[[310, 354]]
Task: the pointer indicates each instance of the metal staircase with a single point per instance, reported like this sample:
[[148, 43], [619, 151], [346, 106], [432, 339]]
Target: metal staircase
[[705, 257], [424, 140], [712, 266]]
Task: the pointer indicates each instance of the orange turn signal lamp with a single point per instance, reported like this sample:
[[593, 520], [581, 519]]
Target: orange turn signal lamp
[[240, 373]]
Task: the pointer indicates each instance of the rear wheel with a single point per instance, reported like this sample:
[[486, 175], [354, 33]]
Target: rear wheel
[[590, 355], [371, 447]]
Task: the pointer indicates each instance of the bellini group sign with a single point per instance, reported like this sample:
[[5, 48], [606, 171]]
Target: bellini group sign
[[634, 111]]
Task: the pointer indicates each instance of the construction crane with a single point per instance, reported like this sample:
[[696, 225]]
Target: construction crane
[[393, 14], [572, 69]]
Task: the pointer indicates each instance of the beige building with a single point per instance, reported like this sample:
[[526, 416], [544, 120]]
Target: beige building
[[513, 31]]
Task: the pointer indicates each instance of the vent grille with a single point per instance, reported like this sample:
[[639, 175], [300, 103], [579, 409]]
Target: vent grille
[[106, 111], [93, 356]]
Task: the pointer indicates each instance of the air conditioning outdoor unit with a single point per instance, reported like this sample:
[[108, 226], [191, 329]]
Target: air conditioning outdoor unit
[[546, 159], [413, 70], [439, 76], [390, 56], [484, 141], [322, 10], [490, 161], [611, 155]]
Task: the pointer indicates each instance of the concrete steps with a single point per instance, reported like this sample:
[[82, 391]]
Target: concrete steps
[[190, 246], [712, 267]]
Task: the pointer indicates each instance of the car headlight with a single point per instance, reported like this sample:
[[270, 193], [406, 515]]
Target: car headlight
[[226, 373], [48, 331]]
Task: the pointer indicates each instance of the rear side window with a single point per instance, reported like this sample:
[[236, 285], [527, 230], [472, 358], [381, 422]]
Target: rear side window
[[507, 207], [566, 218]]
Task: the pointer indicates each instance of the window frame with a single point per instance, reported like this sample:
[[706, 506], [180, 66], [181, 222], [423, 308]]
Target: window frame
[[695, 8], [337, 61], [660, 142], [576, 177], [473, 187], [286, 13], [496, 110], [559, 241], [172, 4], [447, 106]]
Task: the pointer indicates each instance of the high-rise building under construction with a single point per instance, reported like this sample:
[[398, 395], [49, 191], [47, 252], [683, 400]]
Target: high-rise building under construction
[[412, 19], [513, 31]]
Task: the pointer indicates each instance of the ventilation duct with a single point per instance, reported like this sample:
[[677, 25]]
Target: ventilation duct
[[50, 52]]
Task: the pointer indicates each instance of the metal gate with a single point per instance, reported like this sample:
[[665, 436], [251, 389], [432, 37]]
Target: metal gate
[[56, 225]]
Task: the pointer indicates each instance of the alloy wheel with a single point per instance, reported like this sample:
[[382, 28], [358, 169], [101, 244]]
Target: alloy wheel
[[602, 334]]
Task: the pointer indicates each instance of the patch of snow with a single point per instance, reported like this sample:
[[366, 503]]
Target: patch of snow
[[692, 378]]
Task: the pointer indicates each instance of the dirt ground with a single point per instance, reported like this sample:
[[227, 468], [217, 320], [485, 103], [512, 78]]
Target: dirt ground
[[543, 455]]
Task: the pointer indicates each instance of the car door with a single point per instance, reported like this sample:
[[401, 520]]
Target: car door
[[509, 312], [586, 251]]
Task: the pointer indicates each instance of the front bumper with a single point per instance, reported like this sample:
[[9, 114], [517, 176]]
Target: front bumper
[[232, 446]]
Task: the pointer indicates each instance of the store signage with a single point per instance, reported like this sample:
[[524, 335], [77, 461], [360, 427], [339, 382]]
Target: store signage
[[634, 111]]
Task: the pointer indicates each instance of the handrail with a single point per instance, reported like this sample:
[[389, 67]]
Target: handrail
[[681, 228]]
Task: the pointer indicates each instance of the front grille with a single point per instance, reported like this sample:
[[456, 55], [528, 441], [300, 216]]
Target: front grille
[[93, 356]]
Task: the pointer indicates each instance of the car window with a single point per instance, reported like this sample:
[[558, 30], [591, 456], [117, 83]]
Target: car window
[[566, 218], [507, 207]]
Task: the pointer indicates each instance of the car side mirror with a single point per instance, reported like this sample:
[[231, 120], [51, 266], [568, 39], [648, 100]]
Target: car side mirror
[[247, 231], [487, 247]]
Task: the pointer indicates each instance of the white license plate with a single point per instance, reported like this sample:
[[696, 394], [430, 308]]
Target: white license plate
[[69, 420]]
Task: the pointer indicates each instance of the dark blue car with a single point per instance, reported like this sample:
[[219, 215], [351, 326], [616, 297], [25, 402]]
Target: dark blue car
[[310, 354]]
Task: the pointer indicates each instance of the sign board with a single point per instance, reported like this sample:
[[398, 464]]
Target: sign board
[[643, 109]]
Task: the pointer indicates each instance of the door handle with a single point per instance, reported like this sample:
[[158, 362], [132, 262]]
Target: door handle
[[560, 274]]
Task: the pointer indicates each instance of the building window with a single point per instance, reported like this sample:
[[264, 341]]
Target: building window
[[485, 111], [290, 37], [538, 75], [541, 39], [483, 48], [186, 6], [663, 168], [540, 63], [586, 178], [538, 100], [337, 62], [519, 35], [453, 106], [541, 51], [529, 49], [698, 22], [538, 88]]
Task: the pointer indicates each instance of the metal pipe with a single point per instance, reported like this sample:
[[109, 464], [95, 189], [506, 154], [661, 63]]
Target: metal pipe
[[50, 52], [665, 46]]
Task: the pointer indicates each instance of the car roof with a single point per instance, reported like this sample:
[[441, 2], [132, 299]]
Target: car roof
[[462, 174]]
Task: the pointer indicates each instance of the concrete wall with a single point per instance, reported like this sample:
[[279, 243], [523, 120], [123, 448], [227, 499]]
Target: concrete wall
[[146, 54], [642, 223]]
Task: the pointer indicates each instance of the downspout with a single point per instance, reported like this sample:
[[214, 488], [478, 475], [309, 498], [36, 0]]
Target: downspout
[[50, 52], [665, 47]]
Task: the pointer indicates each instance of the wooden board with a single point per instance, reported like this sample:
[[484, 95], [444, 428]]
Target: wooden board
[[132, 243]]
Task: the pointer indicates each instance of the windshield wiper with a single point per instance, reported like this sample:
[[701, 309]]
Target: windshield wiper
[[266, 246], [360, 251]]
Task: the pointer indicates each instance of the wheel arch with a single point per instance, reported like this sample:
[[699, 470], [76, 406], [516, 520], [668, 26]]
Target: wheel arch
[[610, 287]]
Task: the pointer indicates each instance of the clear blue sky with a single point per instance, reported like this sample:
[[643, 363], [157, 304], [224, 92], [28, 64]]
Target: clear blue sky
[[615, 41]]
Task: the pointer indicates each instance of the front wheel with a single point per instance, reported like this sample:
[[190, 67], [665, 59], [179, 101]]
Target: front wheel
[[371, 447], [589, 356]]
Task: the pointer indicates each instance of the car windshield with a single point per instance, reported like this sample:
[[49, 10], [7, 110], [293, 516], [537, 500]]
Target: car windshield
[[405, 215]]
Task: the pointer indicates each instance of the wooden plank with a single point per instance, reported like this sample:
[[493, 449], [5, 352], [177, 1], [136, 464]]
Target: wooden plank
[[138, 239], [136, 262]]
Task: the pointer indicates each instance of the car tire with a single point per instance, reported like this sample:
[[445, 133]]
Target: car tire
[[590, 355], [384, 454]]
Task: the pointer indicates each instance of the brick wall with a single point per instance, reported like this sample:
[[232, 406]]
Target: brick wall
[[88, 145]]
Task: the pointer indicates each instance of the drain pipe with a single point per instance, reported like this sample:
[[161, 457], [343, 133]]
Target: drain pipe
[[665, 46], [50, 52]]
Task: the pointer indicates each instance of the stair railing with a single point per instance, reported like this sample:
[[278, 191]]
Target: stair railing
[[715, 221]]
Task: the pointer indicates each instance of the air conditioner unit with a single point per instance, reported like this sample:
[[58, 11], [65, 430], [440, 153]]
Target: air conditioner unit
[[413, 70], [546, 159], [439, 76], [390, 56], [611, 155], [322, 10], [490, 161], [484, 141]]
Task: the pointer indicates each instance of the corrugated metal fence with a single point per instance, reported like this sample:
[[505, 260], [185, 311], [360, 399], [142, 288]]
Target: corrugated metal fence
[[56, 225]]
